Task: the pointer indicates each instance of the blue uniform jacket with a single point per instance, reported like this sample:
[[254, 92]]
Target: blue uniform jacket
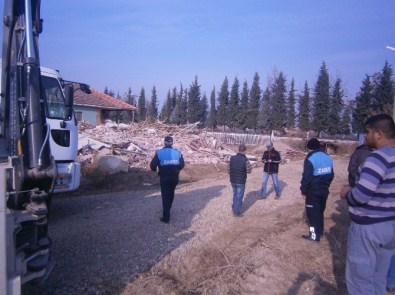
[[168, 160], [317, 173]]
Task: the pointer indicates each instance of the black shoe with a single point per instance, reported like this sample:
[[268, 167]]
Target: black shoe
[[309, 238], [164, 220], [277, 197], [390, 289]]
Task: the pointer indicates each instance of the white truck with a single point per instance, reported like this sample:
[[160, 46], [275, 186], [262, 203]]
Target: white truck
[[38, 148]]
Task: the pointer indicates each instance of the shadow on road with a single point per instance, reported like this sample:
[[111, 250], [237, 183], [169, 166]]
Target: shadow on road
[[101, 243]]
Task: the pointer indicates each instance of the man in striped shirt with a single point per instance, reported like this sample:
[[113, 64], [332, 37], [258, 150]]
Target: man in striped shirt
[[371, 236]]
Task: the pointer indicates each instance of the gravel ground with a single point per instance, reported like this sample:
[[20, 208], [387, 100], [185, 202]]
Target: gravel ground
[[102, 242]]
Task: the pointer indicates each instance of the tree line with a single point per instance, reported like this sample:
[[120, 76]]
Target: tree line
[[322, 108]]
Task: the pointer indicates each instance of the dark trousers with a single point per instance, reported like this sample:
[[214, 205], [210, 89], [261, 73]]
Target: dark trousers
[[315, 207], [167, 186]]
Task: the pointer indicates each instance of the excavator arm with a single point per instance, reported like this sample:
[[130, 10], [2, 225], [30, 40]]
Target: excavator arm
[[27, 168]]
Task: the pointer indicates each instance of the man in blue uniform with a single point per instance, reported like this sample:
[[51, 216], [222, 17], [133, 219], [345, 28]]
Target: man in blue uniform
[[170, 162], [316, 179]]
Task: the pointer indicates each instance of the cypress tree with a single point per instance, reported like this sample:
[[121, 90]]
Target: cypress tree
[[321, 101], [178, 112], [211, 120], [166, 109], [336, 108], [278, 108], [233, 106], [346, 120], [255, 101], [243, 113], [362, 108], [194, 102], [383, 94], [223, 101], [304, 109], [142, 110], [291, 105], [203, 110], [153, 109], [264, 112]]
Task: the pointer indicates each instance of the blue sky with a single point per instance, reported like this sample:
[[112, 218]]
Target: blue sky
[[129, 43]]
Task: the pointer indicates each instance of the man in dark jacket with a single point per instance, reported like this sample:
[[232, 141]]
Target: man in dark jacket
[[271, 159], [357, 158], [169, 161], [238, 168], [316, 179]]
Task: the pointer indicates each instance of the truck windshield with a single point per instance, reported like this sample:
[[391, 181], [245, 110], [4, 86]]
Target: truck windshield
[[56, 108]]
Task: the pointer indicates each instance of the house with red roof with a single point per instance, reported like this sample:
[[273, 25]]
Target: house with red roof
[[96, 107]]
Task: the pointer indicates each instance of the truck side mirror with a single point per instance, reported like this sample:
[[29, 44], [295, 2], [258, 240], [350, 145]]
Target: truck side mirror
[[69, 95]]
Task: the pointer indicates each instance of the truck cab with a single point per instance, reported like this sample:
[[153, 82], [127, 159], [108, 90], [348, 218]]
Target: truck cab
[[63, 129]]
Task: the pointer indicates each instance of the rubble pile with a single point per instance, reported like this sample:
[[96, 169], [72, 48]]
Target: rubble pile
[[139, 141], [116, 147]]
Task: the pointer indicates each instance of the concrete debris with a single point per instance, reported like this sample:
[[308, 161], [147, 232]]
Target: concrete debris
[[112, 164], [136, 144]]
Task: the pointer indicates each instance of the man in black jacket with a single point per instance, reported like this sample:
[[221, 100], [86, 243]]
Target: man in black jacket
[[169, 161], [238, 168], [271, 159], [316, 179]]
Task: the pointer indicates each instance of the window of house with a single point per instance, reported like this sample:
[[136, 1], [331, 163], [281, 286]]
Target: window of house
[[78, 116]]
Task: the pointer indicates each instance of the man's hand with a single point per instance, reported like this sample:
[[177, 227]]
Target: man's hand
[[344, 191]]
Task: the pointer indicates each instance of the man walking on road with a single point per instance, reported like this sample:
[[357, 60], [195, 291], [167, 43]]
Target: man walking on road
[[371, 236], [316, 179], [238, 168], [169, 161]]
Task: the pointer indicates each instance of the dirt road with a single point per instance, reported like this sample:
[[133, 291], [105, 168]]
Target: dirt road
[[114, 243]]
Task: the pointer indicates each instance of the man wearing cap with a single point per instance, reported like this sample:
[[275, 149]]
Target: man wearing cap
[[271, 159], [170, 162], [316, 179]]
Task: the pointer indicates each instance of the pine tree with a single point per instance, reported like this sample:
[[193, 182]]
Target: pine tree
[[291, 105], [233, 107], [178, 112], [278, 108], [211, 120], [362, 108], [383, 92], [173, 98], [345, 125], [153, 106], [336, 108], [243, 113], [166, 109], [264, 110], [130, 97], [142, 110], [184, 118], [223, 101], [194, 102], [255, 101], [106, 90], [321, 101], [203, 110], [304, 109]]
